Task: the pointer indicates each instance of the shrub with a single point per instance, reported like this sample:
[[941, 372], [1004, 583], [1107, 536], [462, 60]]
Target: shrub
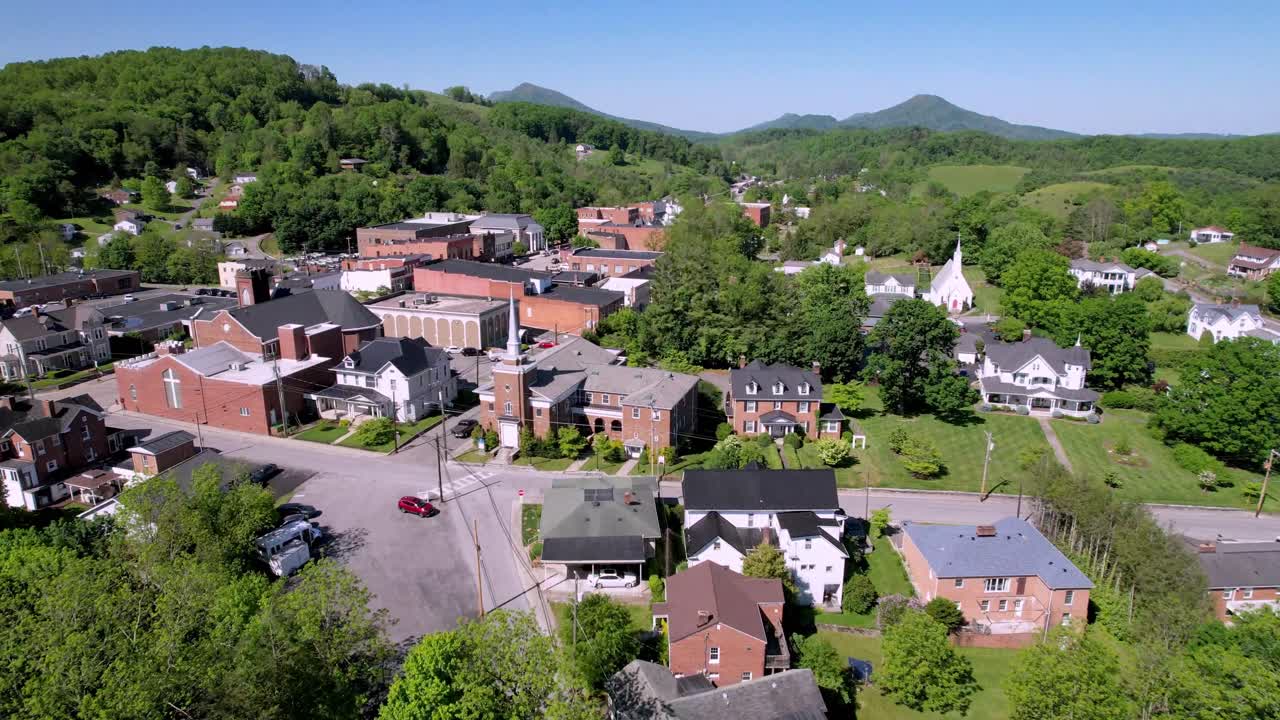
[[921, 458], [892, 608], [377, 431], [490, 439], [570, 442], [1010, 329], [535, 551], [898, 439], [763, 440], [878, 522], [1112, 480], [1252, 490], [723, 430], [1117, 399], [859, 595], [1122, 447], [668, 455], [1193, 459], [793, 440], [1023, 410], [832, 452], [344, 423], [1208, 480], [945, 612], [657, 588]]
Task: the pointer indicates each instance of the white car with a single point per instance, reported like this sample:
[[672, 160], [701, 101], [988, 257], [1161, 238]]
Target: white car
[[611, 578], [453, 349]]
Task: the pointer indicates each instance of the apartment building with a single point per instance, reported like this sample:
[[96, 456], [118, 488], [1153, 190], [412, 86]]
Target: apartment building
[[778, 400], [36, 343], [68, 286]]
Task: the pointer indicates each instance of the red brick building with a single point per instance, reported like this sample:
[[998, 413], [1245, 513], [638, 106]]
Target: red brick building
[[757, 212], [405, 234], [544, 304], [42, 445], [162, 452], [253, 327], [724, 625], [636, 227], [1243, 576], [780, 399], [577, 384], [68, 285], [608, 263]]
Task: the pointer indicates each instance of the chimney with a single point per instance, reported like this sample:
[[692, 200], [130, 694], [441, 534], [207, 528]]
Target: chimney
[[986, 531], [1207, 548], [253, 286], [628, 498], [742, 361], [817, 368], [170, 347], [46, 406], [6, 401], [1026, 335], [293, 342]]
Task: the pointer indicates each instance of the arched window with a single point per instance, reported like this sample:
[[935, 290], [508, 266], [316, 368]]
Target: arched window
[[615, 426], [172, 389], [599, 425]]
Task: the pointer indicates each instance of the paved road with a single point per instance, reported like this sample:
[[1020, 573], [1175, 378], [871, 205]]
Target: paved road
[[253, 246]]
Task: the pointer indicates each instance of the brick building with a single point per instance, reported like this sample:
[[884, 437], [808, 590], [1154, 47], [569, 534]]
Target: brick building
[[637, 227], [162, 452], [757, 212], [253, 327], [608, 263], [578, 384], [444, 321], [723, 625], [780, 399], [68, 285], [544, 304], [1006, 578], [374, 240], [1243, 576], [42, 444]]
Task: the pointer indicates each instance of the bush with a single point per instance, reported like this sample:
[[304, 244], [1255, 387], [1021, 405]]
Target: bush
[[1009, 329], [1252, 490], [490, 439], [898, 439], [1122, 447], [570, 442], [921, 458], [832, 452], [795, 441], [1023, 410], [763, 440], [892, 608], [377, 431], [657, 588], [878, 522], [946, 613], [723, 430], [859, 595], [535, 551], [1208, 480], [344, 423], [1194, 459], [1117, 399], [1112, 480]]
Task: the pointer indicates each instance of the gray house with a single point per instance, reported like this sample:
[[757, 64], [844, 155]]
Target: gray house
[[595, 523], [70, 339]]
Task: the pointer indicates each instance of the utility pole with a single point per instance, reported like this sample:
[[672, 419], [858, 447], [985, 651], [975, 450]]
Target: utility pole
[[444, 417], [395, 415], [1266, 481], [284, 413], [199, 432], [439, 473], [653, 442], [475, 530], [1018, 514], [986, 461]]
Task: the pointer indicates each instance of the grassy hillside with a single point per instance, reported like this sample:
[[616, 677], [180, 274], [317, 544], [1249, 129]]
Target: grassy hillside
[[1060, 199], [970, 179]]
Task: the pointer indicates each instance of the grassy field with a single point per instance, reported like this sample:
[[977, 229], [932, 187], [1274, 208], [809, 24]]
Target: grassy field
[[1173, 341], [1216, 253], [986, 297], [474, 456], [548, 464], [324, 431], [970, 179], [1149, 473], [407, 431], [270, 246], [530, 518], [1060, 199], [990, 668], [89, 226]]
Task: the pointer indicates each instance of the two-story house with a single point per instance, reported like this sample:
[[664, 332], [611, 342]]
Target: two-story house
[[729, 512], [1254, 263], [1227, 322], [1243, 576], [1038, 375], [1006, 578], [779, 399], [70, 339], [43, 444], [1111, 277], [878, 283], [401, 377], [723, 625]]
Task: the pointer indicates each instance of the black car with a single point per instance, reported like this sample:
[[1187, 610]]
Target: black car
[[263, 473], [470, 351], [202, 291], [463, 428], [306, 511]]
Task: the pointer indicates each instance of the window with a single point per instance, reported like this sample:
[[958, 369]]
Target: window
[[828, 569], [506, 408], [244, 412], [1017, 606], [1070, 597], [617, 269], [804, 388], [804, 407], [85, 432], [831, 426], [39, 447], [752, 388], [746, 676], [984, 605], [172, 389], [1228, 593], [52, 465], [1246, 593], [657, 414], [749, 426], [368, 381], [393, 384], [604, 398], [56, 440], [751, 406], [777, 388], [751, 520], [591, 397], [777, 406], [714, 655], [715, 545], [133, 392], [537, 412], [1004, 605], [490, 407], [635, 413], [808, 544], [996, 585], [959, 582], [1066, 618], [528, 312]]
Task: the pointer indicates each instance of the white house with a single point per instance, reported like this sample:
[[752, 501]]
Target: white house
[[949, 289], [1038, 375], [1227, 322], [1114, 277], [171, 186], [1212, 234], [522, 228], [635, 290], [401, 375], [729, 512], [391, 279], [878, 283], [245, 178], [132, 226]]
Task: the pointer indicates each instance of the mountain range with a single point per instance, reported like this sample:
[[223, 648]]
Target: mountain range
[[928, 111]]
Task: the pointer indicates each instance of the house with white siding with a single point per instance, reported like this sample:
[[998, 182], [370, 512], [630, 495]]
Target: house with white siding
[[1112, 277], [401, 377], [1038, 375], [1227, 322]]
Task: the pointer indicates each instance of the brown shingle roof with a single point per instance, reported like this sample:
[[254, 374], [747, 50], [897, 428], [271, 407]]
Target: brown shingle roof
[[722, 595]]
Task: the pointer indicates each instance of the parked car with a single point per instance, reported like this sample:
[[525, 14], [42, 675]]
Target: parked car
[[470, 352], [494, 354], [463, 428], [546, 344], [608, 578], [306, 511], [261, 474], [415, 505], [453, 349], [202, 291]]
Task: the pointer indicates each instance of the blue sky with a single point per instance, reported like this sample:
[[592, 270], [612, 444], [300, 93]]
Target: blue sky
[[1087, 66]]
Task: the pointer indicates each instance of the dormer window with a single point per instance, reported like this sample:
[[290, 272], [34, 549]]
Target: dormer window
[[349, 363], [753, 388], [777, 388], [804, 388]]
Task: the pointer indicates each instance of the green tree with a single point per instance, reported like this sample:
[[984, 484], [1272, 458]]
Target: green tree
[[832, 452], [519, 248], [1069, 675], [152, 251], [571, 442], [921, 458], [1038, 288], [1273, 292], [767, 561], [912, 335], [558, 223], [1117, 331], [859, 595], [830, 307], [1149, 288], [1005, 243], [830, 670], [945, 613], [154, 195], [1160, 206], [879, 522], [1010, 329], [376, 431], [921, 670], [847, 396], [183, 187], [604, 640], [117, 254], [946, 392]]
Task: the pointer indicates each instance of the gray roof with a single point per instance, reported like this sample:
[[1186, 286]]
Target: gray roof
[[351, 393], [584, 295], [489, 271], [1210, 312], [310, 308], [760, 490], [646, 691], [579, 364], [62, 279], [1016, 550], [163, 311], [874, 277], [31, 423], [162, 443], [595, 507], [994, 385], [213, 359], [1011, 356], [618, 254], [1096, 266], [765, 376], [712, 526], [880, 304], [777, 417], [29, 327], [503, 221], [1241, 565], [610, 549], [182, 472], [409, 355]]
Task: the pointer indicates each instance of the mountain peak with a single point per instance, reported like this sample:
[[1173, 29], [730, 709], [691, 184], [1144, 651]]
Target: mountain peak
[[937, 113]]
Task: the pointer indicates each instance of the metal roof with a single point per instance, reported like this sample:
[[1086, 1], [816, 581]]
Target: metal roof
[[1015, 550], [760, 490]]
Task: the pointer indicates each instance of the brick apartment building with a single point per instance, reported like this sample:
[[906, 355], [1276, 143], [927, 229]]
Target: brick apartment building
[[42, 444], [1006, 578], [162, 452], [622, 228], [1243, 576], [68, 285], [608, 263], [544, 304], [578, 384], [757, 212], [723, 625], [458, 247], [376, 240], [780, 399]]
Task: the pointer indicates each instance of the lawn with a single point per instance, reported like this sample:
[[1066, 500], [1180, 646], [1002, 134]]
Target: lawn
[[961, 447], [475, 456], [986, 297], [1149, 473], [641, 617], [1217, 253], [884, 567], [990, 668], [89, 226], [971, 179], [407, 432], [1060, 199], [548, 464], [530, 518], [54, 378], [791, 458], [1173, 341], [270, 246], [173, 212], [772, 458], [599, 464], [325, 431]]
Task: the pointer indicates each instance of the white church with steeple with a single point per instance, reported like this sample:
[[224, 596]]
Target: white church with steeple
[[949, 289]]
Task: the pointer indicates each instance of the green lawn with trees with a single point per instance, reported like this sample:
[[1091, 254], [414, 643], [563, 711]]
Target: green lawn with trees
[[1061, 199], [971, 179]]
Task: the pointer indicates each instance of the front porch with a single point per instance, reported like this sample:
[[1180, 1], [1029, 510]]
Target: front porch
[[72, 356], [344, 402], [778, 424], [1040, 404]]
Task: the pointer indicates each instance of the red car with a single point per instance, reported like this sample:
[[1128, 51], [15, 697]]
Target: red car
[[546, 344], [415, 505]]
